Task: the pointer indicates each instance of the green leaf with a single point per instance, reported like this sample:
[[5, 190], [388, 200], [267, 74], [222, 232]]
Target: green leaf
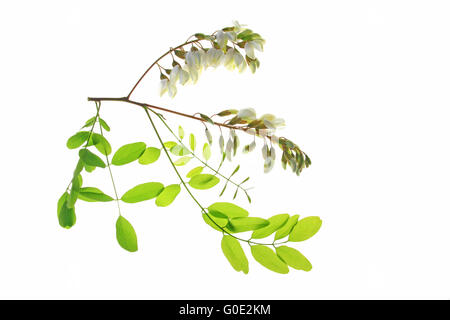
[[236, 170], [89, 168], [182, 161], [92, 194], [227, 112], [224, 188], [170, 144], [293, 258], [104, 124], [192, 142], [66, 216], [142, 192], [195, 171], [150, 155], [220, 221], [206, 118], [101, 144], [247, 224], [203, 181], [180, 150], [168, 195], [233, 252], [74, 191], [229, 210], [77, 139], [206, 152], [78, 168], [90, 122], [305, 229], [275, 223], [125, 234], [180, 132], [128, 153], [287, 228], [245, 180], [267, 258], [91, 159]]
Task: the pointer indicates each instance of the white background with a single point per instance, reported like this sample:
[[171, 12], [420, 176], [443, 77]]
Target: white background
[[363, 86]]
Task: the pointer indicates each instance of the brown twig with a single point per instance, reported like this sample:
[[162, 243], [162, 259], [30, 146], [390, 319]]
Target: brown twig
[[146, 105], [156, 61]]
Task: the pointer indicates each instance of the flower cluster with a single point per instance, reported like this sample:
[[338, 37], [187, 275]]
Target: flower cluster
[[224, 50]]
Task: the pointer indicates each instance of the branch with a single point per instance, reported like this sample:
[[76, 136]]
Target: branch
[[149, 106], [156, 61]]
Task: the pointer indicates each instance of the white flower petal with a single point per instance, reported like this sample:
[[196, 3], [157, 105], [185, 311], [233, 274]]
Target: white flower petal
[[257, 45], [184, 77], [247, 114], [163, 86], [228, 59], [221, 39], [250, 50], [172, 90], [175, 74]]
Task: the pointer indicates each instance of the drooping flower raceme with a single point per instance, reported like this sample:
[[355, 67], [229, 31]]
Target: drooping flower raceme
[[224, 50]]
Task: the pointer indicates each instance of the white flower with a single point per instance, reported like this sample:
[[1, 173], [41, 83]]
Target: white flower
[[228, 59], [231, 35], [214, 57], [193, 59], [193, 73], [172, 90], [247, 114], [271, 121], [238, 27], [175, 74], [163, 86], [222, 39], [239, 61], [184, 77], [268, 165], [250, 48], [203, 59]]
